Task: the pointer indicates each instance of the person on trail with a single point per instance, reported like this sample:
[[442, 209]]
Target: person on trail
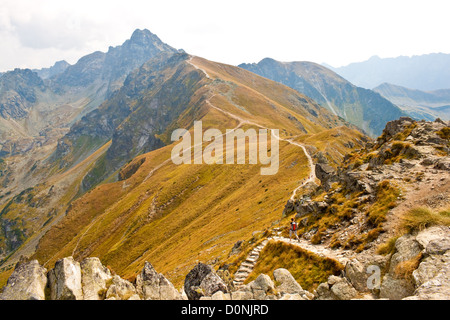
[[293, 226]]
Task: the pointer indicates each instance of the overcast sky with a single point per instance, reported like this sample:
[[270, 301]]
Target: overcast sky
[[37, 33]]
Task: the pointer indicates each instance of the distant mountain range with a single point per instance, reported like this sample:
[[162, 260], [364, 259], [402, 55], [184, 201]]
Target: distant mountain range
[[425, 72], [361, 107], [427, 105]]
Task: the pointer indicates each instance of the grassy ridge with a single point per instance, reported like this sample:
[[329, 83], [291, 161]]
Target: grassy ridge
[[307, 268]]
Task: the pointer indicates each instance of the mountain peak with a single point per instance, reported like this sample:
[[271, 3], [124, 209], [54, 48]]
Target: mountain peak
[[139, 34]]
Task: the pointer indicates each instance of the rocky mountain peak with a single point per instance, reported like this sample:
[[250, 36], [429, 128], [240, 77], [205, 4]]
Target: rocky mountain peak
[[18, 92]]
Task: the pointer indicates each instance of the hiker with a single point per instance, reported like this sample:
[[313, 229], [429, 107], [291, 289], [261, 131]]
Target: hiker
[[293, 229]]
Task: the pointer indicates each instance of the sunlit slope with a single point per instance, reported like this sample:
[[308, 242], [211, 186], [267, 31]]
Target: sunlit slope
[[174, 215]]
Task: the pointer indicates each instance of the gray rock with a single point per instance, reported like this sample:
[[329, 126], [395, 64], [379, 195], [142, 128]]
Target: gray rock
[[343, 290], [294, 296], [356, 270], [241, 295], [435, 240], [432, 278], [94, 278], [201, 281], [237, 248], [219, 295], [393, 288], [323, 292], [286, 282], [27, 282], [261, 286], [152, 285], [212, 283], [120, 289], [326, 174], [407, 248], [65, 280]]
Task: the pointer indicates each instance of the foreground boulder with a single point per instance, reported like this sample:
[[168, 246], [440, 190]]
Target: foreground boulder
[[432, 277], [287, 283], [152, 285], [27, 282], [65, 280], [94, 279], [336, 288], [203, 281], [121, 289]]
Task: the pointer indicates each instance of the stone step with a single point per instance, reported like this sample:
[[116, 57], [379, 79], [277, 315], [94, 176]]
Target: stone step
[[241, 278], [247, 264], [244, 270]]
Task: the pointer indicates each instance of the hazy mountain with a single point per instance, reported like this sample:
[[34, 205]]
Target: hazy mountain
[[57, 68], [361, 107], [103, 73], [427, 105], [425, 72], [19, 90]]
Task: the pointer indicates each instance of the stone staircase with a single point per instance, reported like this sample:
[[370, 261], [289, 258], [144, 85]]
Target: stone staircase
[[247, 266]]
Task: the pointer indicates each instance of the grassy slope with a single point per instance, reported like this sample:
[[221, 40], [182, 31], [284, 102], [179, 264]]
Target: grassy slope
[[182, 214]]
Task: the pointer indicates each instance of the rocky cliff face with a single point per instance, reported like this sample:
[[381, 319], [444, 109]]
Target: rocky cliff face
[[19, 90], [111, 68]]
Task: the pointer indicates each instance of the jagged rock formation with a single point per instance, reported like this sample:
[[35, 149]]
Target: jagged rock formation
[[65, 280], [203, 281], [365, 276], [88, 280], [152, 285], [28, 282]]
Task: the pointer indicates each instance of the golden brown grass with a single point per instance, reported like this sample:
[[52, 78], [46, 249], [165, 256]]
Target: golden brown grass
[[182, 214], [415, 219], [306, 267], [420, 218]]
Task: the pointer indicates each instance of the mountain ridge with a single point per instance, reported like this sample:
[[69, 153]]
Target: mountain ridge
[[428, 105], [361, 107], [421, 72]]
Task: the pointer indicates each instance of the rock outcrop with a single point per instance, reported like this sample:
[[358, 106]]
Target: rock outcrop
[[417, 270], [27, 282], [152, 285], [432, 277], [203, 281], [88, 280], [65, 280], [94, 279]]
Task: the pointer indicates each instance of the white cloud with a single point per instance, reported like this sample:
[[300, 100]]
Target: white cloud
[[36, 33]]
